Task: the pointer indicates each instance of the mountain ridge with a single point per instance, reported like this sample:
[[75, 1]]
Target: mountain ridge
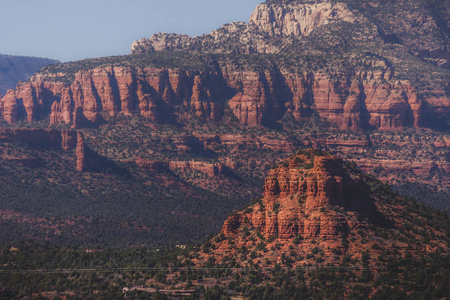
[[291, 59], [16, 68]]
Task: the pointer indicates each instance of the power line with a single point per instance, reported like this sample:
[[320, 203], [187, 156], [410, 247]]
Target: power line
[[174, 269]]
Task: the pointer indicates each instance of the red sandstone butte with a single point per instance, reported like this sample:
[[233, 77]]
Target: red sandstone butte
[[314, 200]]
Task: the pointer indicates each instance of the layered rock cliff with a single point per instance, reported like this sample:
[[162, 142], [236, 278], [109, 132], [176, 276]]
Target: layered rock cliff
[[325, 30], [150, 91], [351, 99], [210, 169]]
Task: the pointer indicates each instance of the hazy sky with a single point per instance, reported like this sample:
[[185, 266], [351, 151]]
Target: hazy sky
[[75, 29]]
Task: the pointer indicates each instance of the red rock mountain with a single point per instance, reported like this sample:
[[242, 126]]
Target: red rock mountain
[[291, 60]]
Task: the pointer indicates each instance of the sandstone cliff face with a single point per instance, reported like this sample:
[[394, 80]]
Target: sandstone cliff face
[[37, 139], [88, 160], [373, 99], [81, 153], [150, 91], [315, 202], [9, 107], [237, 37], [255, 103], [297, 19], [349, 100]]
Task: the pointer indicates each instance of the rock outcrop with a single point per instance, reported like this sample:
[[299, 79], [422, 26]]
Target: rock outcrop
[[151, 91], [297, 19], [210, 169], [422, 29], [88, 160], [271, 26], [282, 27], [81, 153]]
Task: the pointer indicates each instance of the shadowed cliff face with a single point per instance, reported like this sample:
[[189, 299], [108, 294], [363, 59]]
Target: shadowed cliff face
[[41, 138]]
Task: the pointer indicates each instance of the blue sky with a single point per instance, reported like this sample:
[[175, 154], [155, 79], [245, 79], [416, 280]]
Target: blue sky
[[76, 29]]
